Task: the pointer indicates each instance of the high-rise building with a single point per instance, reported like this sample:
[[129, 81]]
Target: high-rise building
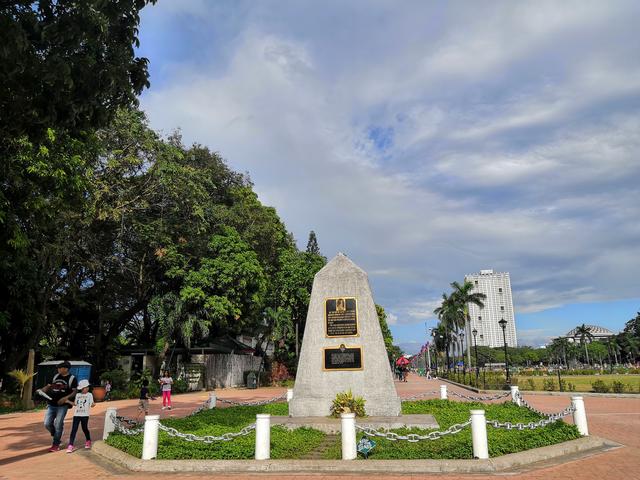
[[497, 306]]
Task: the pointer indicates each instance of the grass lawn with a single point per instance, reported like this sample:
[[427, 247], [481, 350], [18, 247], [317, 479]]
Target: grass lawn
[[459, 446], [583, 382], [298, 443]]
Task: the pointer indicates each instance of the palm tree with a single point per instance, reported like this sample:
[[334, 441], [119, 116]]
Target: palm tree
[[631, 346], [583, 333], [464, 296], [448, 315], [560, 346], [613, 347]]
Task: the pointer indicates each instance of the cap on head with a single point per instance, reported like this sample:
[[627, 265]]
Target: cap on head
[[64, 364], [83, 384]]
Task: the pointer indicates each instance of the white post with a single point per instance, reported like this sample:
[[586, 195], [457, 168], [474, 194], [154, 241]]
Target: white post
[[212, 400], [263, 436], [515, 395], [289, 394], [348, 421], [109, 426], [580, 415], [443, 392], [479, 435], [150, 440]]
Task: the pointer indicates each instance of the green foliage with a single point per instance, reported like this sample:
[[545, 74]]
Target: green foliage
[[600, 387], [459, 446], [118, 378], [345, 402], [180, 386], [618, 387], [393, 351], [71, 65], [284, 444], [549, 384]]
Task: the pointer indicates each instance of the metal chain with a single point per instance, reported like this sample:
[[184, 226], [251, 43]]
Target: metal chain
[[532, 425], [414, 437], [118, 423], [253, 404], [564, 413], [190, 437], [204, 406], [480, 398], [128, 420]]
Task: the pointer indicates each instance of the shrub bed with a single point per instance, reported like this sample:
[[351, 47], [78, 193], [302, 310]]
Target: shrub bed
[[459, 446], [284, 443]]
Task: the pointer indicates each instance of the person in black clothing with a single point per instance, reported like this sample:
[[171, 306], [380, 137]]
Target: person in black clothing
[[61, 389], [143, 404]]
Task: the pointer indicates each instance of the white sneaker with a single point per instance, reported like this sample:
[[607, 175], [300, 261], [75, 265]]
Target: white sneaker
[[163, 408]]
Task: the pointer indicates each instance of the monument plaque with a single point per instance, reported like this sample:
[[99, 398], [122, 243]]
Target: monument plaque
[[343, 358], [341, 317]]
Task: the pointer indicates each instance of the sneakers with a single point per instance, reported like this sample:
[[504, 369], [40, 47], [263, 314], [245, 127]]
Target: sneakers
[[163, 408], [70, 449], [87, 444], [54, 448], [169, 407]]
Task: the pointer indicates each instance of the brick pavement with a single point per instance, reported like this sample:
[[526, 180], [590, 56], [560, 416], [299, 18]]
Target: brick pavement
[[24, 441]]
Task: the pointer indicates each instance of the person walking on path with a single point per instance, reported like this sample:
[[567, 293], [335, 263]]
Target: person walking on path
[[166, 383], [143, 403], [61, 389], [107, 390], [83, 402]]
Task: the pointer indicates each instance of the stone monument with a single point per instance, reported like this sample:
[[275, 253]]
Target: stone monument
[[342, 348]]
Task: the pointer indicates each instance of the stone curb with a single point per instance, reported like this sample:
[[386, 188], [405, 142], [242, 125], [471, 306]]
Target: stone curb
[[540, 392], [514, 461]]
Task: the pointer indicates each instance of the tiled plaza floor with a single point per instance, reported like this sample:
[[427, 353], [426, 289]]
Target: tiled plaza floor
[[24, 441]]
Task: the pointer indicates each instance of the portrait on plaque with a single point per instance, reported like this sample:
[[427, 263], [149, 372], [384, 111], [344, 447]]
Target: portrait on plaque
[[341, 317]]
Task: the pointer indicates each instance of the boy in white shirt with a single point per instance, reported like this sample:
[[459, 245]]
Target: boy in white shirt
[[83, 402]]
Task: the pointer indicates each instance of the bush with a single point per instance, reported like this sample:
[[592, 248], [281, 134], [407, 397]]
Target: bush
[[618, 387], [571, 387], [118, 378], [345, 402], [180, 386], [279, 373], [600, 387], [548, 384]]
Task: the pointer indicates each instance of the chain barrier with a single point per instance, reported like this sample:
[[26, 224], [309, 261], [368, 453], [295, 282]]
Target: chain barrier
[[556, 416], [414, 437], [532, 425], [190, 437], [253, 404], [204, 406], [481, 398], [119, 424]]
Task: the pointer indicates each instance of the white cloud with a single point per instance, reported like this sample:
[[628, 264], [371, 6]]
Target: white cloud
[[514, 138]]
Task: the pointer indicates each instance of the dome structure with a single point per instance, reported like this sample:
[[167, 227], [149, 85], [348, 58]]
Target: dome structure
[[595, 330]]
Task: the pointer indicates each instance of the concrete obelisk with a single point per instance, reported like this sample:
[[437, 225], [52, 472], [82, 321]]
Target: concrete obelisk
[[342, 347]]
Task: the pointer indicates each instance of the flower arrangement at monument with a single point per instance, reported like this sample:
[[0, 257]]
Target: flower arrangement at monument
[[345, 402]]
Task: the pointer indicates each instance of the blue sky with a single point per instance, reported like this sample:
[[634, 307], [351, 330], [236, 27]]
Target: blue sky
[[427, 140]]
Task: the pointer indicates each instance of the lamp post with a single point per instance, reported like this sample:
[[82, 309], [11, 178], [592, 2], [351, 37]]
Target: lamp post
[[464, 369], [427, 364], [503, 325], [435, 344], [475, 348]]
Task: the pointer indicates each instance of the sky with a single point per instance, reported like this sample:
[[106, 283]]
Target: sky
[[427, 140]]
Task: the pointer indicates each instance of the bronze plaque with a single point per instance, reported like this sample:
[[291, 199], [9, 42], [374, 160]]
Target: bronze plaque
[[341, 317], [343, 358]]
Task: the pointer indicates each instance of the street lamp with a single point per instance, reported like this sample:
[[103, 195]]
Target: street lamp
[[475, 347], [464, 370], [503, 325]]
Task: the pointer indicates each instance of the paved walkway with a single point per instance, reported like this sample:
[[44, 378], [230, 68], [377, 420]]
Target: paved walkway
[[24, 441]]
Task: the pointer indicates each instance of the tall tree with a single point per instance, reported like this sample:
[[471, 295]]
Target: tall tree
[[393, 351], [584, 335], [464, 296], [312, 244], [67, 64]]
